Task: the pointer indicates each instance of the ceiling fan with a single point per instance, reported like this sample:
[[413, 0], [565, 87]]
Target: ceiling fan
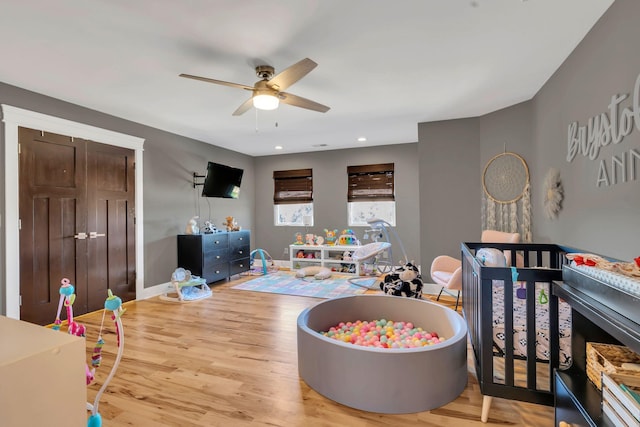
[[268, 92]]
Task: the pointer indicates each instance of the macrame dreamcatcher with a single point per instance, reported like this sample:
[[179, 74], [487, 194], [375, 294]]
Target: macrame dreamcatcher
[[506, 201]]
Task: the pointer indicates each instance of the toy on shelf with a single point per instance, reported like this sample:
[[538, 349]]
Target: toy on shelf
[[192, 226], [310, 239], [300, 254], [331, 236], [299, 239], [319, 240], [231, 224], [348, 237], [113, 304], [209, 228], [187, 287]]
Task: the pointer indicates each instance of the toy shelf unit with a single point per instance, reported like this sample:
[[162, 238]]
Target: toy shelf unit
[[329, 256]]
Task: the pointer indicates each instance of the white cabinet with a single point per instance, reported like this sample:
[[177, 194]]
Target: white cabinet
[[330, 256]]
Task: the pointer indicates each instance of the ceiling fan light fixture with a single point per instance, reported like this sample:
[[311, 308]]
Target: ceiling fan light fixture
[[265, 102]]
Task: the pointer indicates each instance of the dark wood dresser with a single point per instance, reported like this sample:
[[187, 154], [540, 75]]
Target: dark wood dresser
[[215, 256]]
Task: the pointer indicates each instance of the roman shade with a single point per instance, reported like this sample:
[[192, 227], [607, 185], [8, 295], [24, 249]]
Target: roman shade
[[368, 183], [293, 186]]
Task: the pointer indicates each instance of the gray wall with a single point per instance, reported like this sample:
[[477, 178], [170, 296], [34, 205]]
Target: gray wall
[[606, 63], [169, 162], [598, 219], [330, 194], [450, 188]]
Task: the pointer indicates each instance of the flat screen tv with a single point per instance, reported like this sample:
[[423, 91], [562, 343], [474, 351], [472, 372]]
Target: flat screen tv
[[222, 181]]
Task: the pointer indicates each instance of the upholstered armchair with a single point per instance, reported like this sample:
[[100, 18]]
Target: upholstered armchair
[[447, 271]]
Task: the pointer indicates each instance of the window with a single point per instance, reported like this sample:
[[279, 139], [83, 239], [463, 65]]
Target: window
[[293, 197], [370, 194]]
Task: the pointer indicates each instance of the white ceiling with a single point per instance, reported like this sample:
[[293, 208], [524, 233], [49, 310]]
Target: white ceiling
[[384, 66]]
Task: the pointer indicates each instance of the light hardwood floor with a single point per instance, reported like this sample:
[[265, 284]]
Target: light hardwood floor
[[231, 360]]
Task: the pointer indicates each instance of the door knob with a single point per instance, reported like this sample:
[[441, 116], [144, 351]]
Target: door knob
[[94, 234], [80, 236]]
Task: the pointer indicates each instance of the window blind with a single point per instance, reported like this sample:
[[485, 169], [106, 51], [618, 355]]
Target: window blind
[[369, 183], [293, 186]]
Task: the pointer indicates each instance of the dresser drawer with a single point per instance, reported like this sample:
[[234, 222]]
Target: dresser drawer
[[239, 252], [215, 257], [215, 272], [214, 242], [238, 239], [238, 266]]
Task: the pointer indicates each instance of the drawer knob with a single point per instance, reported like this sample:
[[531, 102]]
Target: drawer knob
[[241, 265], [240, 238], [240, 252], [217, 271], [217, 256]]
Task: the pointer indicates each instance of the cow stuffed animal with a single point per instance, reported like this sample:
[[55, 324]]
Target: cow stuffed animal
[[404, 281]]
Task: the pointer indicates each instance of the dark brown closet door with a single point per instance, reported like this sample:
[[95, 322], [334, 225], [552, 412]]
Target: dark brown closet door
[[111, 216], [68, 201]]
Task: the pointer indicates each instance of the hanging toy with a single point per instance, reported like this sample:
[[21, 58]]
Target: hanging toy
[[521, 292], [66, 290], [113, 304], [542, 298]]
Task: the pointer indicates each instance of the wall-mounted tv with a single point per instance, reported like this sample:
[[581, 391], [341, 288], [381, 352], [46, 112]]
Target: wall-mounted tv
[[222, 181]]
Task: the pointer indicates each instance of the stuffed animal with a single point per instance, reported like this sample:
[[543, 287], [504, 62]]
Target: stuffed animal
[[331, 236], [310, 238], [299, 239], [317, 272], [231, 224], [404, 281], [208, 227], [192, 226]]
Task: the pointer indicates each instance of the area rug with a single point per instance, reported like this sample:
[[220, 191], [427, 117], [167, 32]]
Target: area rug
[[283, 282]]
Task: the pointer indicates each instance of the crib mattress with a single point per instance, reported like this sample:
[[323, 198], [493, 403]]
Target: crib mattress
[[520, 324]]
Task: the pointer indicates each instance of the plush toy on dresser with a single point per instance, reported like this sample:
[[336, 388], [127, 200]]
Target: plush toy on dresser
[[404, 281]]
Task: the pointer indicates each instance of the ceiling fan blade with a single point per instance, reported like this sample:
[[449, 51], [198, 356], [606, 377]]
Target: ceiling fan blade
[[246, 105], [219, 82], [289, 76], [298, 101]]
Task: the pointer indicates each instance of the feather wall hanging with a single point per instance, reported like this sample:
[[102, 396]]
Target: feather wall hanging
[[553, 194], [506, 195]]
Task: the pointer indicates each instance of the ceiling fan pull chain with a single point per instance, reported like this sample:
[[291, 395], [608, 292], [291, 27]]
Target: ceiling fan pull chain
[[256, 111]]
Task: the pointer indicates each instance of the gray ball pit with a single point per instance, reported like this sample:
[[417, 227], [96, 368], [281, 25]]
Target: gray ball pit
[[390, 381]]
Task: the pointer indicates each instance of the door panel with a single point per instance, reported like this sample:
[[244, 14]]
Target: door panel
[[52, 202], [111, 217], [70, 186]]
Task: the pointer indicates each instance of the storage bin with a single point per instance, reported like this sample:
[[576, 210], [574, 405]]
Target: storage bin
[[619, 404], [608, 358]]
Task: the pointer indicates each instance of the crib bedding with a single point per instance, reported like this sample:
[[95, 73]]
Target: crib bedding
[[520, 322]]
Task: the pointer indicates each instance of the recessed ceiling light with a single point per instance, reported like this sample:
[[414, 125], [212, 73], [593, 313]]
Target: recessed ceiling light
[[278, 147], [362, 139]]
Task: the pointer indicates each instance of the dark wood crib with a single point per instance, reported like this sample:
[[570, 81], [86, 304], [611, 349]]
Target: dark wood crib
[[525, 374]]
